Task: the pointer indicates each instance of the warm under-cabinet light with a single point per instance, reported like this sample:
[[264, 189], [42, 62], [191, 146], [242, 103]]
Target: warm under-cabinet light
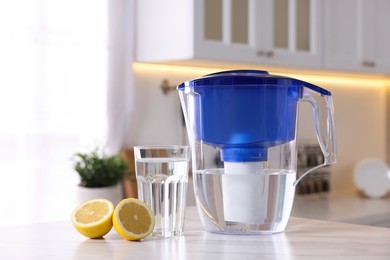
[[320, 78], [175, 68]]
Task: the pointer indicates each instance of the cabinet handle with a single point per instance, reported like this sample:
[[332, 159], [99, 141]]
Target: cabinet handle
[[269, 54], [369, 64], [260, 53]]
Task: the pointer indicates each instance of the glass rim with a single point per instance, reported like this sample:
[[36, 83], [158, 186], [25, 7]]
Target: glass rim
[[162, 146]]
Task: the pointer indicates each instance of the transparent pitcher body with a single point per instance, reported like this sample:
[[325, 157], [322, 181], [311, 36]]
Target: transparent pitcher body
[[242, 131], [249, 198]]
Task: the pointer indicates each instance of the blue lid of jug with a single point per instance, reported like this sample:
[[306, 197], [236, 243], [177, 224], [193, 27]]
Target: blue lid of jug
[[249, 78], [245, 112]]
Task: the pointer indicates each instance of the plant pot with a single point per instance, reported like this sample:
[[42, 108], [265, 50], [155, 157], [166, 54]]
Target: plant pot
[[112, 193], [130, 180]]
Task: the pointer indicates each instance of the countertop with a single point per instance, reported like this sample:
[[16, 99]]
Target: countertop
[[347, 208], [303, 239]]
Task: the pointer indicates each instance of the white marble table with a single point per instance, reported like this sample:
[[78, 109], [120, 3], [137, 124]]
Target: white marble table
[[303, 239]]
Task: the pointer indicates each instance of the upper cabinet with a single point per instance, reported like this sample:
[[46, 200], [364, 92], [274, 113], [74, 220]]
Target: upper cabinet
[[347, 35], [357, 35], [274, 32]]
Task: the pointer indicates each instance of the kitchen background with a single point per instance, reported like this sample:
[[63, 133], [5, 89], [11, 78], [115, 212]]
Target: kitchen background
[[56, 71]]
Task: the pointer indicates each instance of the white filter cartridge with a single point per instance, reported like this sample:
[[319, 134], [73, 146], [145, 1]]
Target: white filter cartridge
[[242, 194]]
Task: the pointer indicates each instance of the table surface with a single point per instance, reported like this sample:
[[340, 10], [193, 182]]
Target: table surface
[[348, 208], [303, 239]]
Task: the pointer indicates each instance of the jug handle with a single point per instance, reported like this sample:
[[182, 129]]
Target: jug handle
[[323, 113]]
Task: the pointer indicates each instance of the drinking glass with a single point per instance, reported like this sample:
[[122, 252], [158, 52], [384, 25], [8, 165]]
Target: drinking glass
[[162, 177]]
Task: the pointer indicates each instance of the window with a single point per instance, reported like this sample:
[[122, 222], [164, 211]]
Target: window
[[53, 83]]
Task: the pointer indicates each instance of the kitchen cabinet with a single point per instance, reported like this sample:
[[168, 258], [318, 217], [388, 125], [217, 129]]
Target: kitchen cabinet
[[357, 35], [264, 32]]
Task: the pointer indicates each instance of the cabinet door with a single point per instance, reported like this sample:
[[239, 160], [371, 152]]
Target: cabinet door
[[290, 32], [343, 35], [164, 30], [376, 31], [357, 35], [224, 30]]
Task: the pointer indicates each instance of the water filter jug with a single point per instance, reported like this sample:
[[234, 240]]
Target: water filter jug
[[242, 127]]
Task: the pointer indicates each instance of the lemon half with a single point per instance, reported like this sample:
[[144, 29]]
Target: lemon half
[[133, 219], [93, 218]]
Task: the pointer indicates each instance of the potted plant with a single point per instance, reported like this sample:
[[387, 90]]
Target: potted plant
[[100, 174]]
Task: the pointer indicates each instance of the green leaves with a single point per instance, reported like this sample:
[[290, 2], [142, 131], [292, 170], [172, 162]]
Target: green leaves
[[98, 169]]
